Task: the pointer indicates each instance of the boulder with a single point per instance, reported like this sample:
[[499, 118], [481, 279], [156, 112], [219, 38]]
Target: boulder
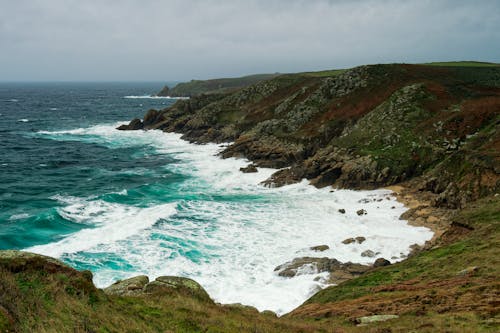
[[320, 248], [249, 169], [342, 211], [348, 241], [360, 239], [177, 284], [128, 287], [381, 262]]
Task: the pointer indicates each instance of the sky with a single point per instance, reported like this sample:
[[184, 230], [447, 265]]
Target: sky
[[176, 40]]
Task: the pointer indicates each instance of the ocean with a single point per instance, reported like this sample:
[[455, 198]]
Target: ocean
[[124, 203]]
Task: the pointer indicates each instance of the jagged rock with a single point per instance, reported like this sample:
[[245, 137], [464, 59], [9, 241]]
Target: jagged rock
[[243, 307], [339, 271], [361, 212], [249, 169], [348, 241], [320, 248], [135, 124], [151, 117], [368, 253], [132, 286], [380, 262], [342, 211]]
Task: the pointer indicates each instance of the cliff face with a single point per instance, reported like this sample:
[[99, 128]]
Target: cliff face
[[366, 127], [198, 87]]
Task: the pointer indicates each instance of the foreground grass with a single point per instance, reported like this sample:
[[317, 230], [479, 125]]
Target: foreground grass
[[463, 64]]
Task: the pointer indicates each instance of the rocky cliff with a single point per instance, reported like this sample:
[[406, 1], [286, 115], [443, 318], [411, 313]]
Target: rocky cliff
[[366, 127]]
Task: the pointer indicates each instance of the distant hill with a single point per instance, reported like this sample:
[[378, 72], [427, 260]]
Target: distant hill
[[198, 87]]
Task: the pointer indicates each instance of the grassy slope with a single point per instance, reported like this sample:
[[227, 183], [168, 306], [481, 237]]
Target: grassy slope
[[463, 64]]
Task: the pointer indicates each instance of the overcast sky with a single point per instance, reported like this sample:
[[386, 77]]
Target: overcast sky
[[168, 40]]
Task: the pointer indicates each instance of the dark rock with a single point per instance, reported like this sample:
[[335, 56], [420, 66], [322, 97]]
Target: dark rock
[[320, 248], [380, 262], [360, 239], [151, 117], [348, 241], [135, 124], [249, 169], [361, 212], [339, 271], [342, 211]]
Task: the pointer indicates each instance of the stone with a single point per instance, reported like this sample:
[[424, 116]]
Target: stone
[[339, 271], [381, 262], [128, 287], [342, 211], [249, 169], [348, 241], [361, 212], [360, 239], [320, 248], [368, 253], [468, 271], [373, 319]]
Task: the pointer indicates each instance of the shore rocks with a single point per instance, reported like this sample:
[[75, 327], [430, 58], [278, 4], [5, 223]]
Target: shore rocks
[[339, 271], [342, 211], [381, 262], [140, 286], [320, 248], [135, 124], [361, 212], [359, 240]]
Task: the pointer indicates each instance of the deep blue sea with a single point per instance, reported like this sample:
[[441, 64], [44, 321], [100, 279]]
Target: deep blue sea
[[122, 203]]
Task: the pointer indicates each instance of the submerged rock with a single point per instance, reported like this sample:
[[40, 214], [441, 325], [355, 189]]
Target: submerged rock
[[368, 253]]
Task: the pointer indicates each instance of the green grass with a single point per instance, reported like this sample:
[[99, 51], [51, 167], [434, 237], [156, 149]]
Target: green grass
[[326, 73]]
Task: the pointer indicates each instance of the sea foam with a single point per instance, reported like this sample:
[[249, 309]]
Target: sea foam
[[227, 231]]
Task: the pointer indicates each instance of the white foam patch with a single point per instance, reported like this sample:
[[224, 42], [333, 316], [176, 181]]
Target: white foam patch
[[152, 97], [18, 217], [110, 222], [24, 120], [231, 240]]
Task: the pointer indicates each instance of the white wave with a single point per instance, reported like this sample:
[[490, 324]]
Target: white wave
[[13, 100], [54, 109], [232, 247], [18, 216], [152, 97], [24, 120], [111, 222]]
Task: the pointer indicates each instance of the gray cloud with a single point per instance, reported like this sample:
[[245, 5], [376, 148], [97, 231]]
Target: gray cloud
[[180, 39]]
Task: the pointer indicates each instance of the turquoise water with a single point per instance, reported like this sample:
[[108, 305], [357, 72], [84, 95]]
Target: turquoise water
[[122, 203]]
